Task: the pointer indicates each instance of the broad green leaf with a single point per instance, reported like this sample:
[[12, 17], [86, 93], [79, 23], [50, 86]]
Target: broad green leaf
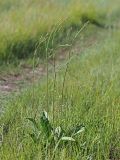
[[76, 130], [33, 121], [79, 131], [45, 115], [45, 124], [59, 132], [68, 139], [34, 137]]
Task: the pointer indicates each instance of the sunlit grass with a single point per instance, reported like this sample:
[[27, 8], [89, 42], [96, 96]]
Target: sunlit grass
[[23, 22], [90, 97], [90, 94]]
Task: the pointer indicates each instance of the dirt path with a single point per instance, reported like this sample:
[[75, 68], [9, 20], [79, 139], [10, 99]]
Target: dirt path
[[14, 83]]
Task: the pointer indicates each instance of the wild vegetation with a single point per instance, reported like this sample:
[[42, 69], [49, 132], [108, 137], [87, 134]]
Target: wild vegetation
[[73, 112], [24, 23]]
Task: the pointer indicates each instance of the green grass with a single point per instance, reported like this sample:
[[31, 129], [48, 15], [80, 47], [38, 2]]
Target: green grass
[[90, 96], [84, 90], [22, 23]]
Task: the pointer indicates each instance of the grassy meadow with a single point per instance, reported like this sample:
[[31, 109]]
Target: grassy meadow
[[73, 113], [90, 98], [26, 24]]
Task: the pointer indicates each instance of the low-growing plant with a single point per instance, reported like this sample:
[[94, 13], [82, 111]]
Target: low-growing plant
[[53, 137]]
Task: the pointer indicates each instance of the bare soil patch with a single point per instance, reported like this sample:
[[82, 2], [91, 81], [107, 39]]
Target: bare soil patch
[[15, 82]]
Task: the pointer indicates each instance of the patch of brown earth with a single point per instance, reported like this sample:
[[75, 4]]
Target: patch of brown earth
[[14, 82]]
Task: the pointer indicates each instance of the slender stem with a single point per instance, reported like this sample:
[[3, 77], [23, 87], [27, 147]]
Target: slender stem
[[55, 149], [54, 87], [47, 76]]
